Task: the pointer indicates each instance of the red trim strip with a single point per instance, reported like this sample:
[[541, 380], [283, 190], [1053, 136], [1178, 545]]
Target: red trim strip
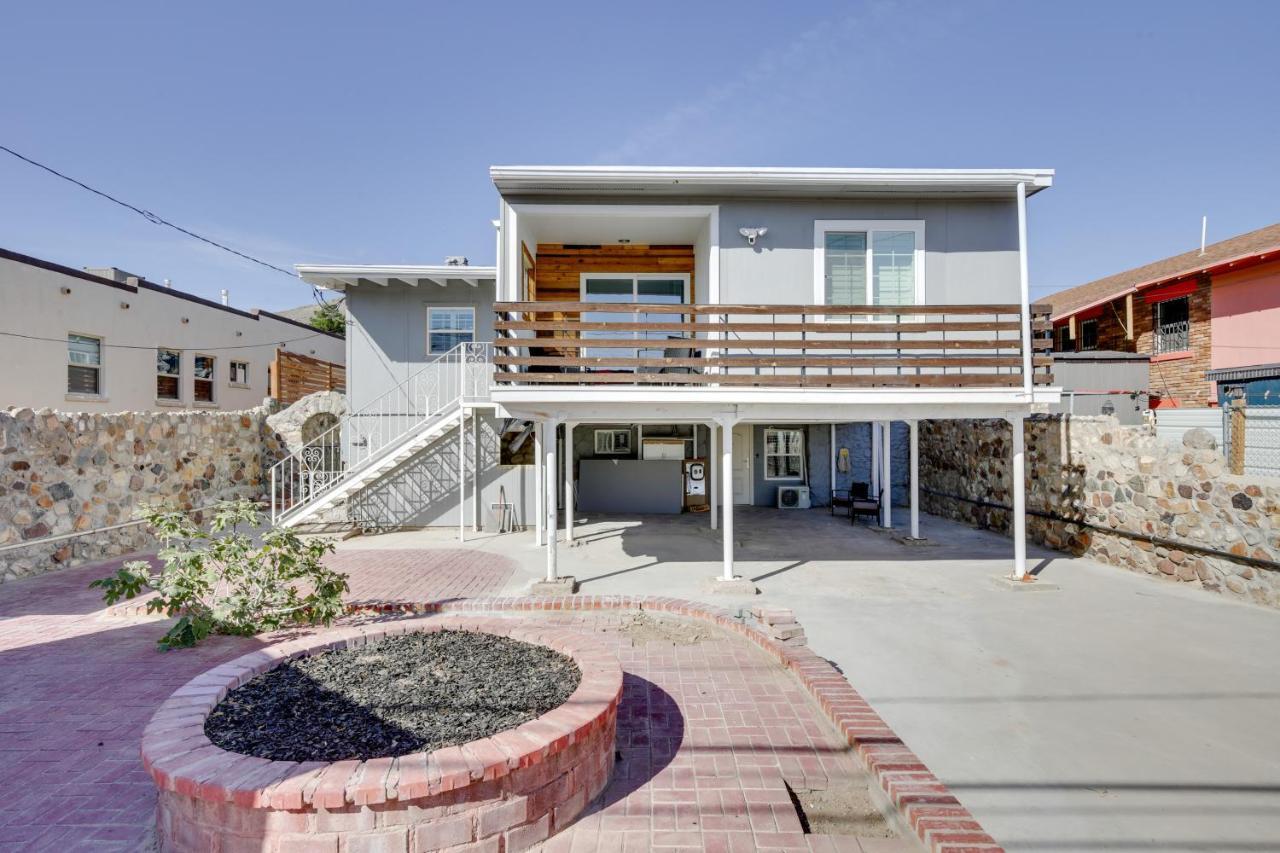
[[1170, 291]]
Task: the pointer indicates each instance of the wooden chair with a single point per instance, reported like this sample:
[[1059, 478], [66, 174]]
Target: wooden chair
[[862, 502], [842, 500]]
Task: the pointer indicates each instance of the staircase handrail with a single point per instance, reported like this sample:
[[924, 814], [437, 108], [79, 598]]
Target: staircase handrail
[[434, 389]]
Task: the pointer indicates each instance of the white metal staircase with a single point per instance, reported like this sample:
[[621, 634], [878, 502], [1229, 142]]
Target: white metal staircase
[[382, 435]]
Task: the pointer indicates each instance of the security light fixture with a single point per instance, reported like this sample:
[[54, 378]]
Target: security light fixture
[[753, 234]]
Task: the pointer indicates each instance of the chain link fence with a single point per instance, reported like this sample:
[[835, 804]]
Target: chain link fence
[[1261, 438]]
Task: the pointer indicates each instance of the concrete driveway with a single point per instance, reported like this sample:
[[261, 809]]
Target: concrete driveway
[[1117, 712]]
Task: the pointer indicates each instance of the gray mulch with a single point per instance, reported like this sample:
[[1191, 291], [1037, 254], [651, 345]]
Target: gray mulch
[[410, 693]]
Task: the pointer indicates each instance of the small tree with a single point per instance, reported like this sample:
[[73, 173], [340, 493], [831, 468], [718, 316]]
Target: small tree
[[219, 582], [328, 318]]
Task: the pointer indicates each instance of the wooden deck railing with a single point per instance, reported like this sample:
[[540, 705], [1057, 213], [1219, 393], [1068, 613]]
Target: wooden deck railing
[[847, 346]]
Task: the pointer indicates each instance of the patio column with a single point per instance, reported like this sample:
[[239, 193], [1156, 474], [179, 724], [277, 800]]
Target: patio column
[[539, 489], [712, 468], [726, 491], [886, 475], [914, 426], [568, 481], [477, 501], [549, 451], [1018, 473], [462, 475]]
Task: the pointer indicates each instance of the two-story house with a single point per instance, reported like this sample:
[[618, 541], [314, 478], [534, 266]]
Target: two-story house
[[661, 339], [1207, 318]]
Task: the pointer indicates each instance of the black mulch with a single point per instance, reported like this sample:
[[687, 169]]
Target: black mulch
[[410, 693]]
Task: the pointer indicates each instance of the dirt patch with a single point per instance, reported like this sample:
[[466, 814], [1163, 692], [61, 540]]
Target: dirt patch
[[644, 628], [404, 694], [841, 810]]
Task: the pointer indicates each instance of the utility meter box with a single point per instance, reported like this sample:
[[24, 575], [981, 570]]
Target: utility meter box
[[696, 482]]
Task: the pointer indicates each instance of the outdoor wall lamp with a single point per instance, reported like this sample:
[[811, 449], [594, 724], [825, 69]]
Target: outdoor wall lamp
[[753, 234]]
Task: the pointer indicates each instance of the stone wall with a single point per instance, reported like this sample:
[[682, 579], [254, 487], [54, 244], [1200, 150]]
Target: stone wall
[[62, 472], [1111, 490]]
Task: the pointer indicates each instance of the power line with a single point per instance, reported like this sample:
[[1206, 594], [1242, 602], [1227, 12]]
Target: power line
[[158, 220], [154, 346]]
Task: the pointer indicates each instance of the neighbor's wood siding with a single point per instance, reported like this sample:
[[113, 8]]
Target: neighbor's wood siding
[[558, 268], [294, 376]]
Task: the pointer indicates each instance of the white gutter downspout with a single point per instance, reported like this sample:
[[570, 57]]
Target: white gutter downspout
[[1028, 383]]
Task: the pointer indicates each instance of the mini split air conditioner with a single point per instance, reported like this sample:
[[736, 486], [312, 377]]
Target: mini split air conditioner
[[793, 497]]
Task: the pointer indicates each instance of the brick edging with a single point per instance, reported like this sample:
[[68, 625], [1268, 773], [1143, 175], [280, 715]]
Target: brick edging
[[185, 765], [936, 815]]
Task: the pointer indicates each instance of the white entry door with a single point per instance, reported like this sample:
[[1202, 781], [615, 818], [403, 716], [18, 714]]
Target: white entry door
[[742, 464]]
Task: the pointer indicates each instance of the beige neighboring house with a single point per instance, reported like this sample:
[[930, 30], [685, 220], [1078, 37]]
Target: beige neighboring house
[[103, 340]]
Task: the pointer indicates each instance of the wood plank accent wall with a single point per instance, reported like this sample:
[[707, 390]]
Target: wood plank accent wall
[[294, 376], [559, 267]]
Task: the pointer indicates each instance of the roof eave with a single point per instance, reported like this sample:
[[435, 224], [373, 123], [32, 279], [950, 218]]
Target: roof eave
[[1247, 258], [776, 179], [338, 277]]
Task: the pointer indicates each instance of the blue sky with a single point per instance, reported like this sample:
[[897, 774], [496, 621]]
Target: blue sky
[[361, 133]]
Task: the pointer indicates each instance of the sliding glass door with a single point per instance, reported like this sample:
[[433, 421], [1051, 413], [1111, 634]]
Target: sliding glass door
[[642, 288]]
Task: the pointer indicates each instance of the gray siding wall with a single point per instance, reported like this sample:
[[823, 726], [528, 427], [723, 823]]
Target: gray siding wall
[[971, 247], [388, 332], [387, 342]]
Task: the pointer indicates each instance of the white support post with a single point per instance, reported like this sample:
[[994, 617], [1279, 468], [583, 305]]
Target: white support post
[[551, 480], [886, 475], [539, 487], [476, 497], [568, 482], [712, 468], [726, 490], [462, 474], [1018, 472], [1028, 384], [914, 426]]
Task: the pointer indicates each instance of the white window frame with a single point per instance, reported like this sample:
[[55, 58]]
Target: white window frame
[[212, 380], [231, 368], [100, 367], [822, 226], [804, 473], [449, 307], [178, 376], [609, 447], [636, 277]]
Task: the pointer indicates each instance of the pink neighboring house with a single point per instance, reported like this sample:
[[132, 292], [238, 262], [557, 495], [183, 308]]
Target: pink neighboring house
[[1209, 320], [1246, 316]]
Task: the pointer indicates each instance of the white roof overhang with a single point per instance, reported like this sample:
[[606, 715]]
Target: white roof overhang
[[732, 180], [340, 277]]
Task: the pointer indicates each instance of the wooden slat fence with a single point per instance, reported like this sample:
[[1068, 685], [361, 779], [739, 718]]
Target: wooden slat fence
[[294, 376]]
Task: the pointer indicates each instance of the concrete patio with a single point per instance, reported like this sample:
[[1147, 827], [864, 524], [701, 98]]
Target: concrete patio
[[1117, 712]]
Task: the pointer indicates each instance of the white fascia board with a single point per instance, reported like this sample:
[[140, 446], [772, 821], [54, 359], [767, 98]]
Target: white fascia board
[[546, 178], [338, 277]]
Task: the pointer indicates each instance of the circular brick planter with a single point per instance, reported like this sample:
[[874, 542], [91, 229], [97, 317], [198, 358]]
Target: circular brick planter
[[508, 791]]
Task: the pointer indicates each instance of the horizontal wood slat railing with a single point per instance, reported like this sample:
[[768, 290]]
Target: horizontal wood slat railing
[[802, 346]]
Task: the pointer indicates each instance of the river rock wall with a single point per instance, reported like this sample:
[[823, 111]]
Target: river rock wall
[[64, 472], [1116, 494]]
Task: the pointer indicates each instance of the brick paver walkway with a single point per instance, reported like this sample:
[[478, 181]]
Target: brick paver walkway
[[710, 732], [76, 689]]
